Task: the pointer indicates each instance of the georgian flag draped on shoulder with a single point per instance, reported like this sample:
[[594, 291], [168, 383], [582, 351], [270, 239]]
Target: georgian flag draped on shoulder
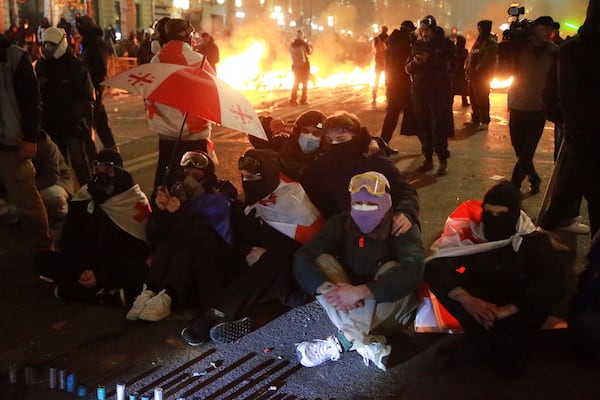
[[289, 210], [128, 210], [462, 235]]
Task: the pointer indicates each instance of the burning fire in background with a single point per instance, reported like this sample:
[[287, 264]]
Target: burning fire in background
[[252, 62]]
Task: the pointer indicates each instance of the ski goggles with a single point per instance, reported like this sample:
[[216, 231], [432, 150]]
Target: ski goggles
[[194, 159], [374, 184], [250, 164], [105, 164]]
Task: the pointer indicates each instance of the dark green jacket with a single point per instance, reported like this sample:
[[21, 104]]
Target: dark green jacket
[[362, 256]]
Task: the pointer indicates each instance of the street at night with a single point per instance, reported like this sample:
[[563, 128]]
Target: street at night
[[100, 347]]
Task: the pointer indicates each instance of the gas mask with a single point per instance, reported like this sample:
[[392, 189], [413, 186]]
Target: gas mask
[[101, 187]]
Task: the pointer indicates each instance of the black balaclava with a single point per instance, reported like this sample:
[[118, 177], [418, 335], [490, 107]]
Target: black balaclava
[[501, 226], [270, 168], [102, 186], [353, 149]]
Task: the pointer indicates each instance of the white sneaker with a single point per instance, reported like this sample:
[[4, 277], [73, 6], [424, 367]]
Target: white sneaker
[[482, 127], [375, 352], [139, 304], [576, 227], [157, 308], [316, 352]]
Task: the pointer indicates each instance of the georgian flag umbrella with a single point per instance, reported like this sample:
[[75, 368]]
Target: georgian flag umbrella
[[193, 91]]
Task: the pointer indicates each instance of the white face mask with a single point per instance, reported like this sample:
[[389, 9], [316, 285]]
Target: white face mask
[[308, 142]]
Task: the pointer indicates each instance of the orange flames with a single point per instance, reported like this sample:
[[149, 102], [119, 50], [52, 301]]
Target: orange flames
[[251, 69]]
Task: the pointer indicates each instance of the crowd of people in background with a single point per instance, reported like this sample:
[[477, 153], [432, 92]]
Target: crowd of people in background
[[324, 214]]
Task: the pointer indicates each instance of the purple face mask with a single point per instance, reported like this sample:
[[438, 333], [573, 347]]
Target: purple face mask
[[368, 209]]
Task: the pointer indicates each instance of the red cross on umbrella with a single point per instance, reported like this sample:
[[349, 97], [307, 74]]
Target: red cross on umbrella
[[193, 91]]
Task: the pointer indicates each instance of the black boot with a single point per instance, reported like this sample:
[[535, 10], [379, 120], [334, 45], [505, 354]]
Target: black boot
[[427, 165], [443, 167]]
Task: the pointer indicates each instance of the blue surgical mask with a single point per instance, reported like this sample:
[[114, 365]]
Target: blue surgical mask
[[308, 143]]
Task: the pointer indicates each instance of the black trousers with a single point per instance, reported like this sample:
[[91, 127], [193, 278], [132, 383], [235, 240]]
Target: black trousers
[[301, 77], [395, 106], [268, 279], [101, 122], [507, 340], [436, 125], [479, 92], [526, 128], [194, 273], [581, 171]]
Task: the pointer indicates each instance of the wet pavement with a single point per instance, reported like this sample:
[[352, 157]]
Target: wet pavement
[[100, 347]]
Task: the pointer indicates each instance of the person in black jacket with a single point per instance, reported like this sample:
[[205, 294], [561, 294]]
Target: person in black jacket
[[479, 70], [502, 288], [95, 55], [397, 81], [459, 82], [578, 88], [67, 101], [431, 67], [102, 251], [210, 49], [277, 219], [191, 234], [345, 146]]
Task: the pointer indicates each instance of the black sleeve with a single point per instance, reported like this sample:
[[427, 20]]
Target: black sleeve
[[404, 196], [27, 92], [442, 277]]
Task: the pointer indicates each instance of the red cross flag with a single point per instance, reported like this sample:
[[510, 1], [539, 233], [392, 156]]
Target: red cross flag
[[192, 90]]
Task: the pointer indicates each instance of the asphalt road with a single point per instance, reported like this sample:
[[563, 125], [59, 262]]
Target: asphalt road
[[100, 347]]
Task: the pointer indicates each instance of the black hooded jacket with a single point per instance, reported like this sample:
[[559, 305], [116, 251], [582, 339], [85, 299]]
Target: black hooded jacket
[[579, 83], [67, 95], [95, 54], [397, 81]]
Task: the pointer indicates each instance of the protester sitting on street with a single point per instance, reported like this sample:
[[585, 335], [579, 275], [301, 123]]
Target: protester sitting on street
[[67, 102], [192, 238], [498, 277], [102, 250], [345, 148], [53, 181], [279, 217], [298, 144], [362, 275]]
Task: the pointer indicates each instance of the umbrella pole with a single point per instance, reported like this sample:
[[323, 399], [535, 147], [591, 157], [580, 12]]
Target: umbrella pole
[[170, 165]]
